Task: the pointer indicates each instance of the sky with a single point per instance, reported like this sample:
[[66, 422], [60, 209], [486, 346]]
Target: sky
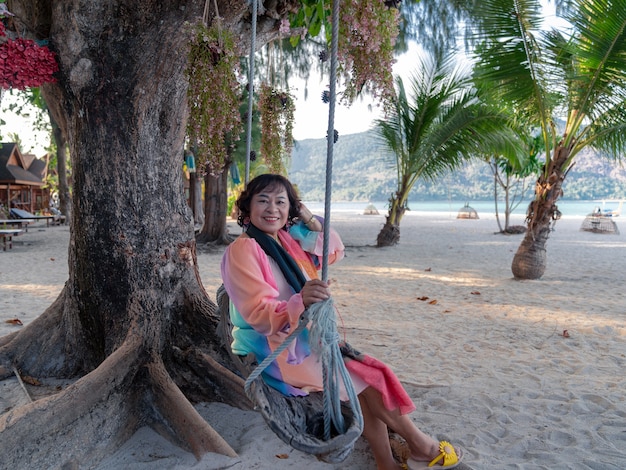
[[33, 141], [311, 116]]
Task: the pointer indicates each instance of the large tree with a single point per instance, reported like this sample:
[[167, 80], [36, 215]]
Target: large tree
[[133, 324], [576, 74]]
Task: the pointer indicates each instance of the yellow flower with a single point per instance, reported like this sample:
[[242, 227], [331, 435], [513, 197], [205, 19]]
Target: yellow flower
[[447, 453]]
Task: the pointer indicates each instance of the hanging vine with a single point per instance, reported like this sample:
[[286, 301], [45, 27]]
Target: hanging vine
[[367, 34], [368, 30], [277, 110], [213, 94]]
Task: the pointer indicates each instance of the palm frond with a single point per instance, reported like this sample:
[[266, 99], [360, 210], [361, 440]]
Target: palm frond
[[607, 133], [442, 123], [599, 47]]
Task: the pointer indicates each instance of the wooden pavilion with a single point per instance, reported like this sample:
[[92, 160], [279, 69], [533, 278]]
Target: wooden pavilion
[[22, 180]]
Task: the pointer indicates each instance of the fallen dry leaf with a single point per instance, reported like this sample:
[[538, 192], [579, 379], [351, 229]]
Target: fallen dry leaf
[[428, 269], [52, 259], [433, 302], [475, 292], [14, 321], [282, 456], [447, 311], [31, 380], [423, 298], [565, 334]]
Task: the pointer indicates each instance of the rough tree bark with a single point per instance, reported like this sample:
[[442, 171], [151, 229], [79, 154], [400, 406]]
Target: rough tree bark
[[530, 260], [133, 325], [389, 235], [214, 230]]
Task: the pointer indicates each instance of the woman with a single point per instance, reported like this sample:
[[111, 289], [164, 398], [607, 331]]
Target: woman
[[270, 275]]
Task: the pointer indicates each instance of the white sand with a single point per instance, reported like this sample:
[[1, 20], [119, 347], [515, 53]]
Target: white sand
[[487, 363]]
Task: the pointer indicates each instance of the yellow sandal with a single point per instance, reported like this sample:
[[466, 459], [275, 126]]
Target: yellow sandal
[[449, 457]]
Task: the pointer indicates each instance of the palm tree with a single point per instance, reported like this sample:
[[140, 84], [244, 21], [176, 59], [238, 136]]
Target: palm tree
[[578, 74], [442, 124]]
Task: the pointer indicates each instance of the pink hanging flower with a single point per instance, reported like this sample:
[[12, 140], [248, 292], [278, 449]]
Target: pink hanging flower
[[25, 64], [284, 27]]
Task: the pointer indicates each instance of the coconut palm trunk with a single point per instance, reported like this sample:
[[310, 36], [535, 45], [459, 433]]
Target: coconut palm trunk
[[530, 260], [389, 235]]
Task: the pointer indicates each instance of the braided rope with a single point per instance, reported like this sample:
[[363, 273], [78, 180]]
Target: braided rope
[[324, 337], [304, 320], [250, 89], [324, 340]]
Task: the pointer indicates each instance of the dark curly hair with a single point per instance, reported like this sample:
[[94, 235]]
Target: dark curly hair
[[270, 182]]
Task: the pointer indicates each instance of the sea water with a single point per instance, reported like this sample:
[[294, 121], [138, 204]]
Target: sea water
[[567, 208]]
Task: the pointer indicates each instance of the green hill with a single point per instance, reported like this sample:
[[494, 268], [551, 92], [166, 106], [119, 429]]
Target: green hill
[[362, 171]]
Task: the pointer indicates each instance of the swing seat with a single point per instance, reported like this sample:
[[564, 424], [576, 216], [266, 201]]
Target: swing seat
[[297, 421]]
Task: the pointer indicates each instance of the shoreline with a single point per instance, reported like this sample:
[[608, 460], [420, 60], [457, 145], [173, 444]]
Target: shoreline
[[483, 356]]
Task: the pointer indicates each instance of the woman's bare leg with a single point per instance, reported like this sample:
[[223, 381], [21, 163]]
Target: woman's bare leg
[[375, 432], [422, 446]]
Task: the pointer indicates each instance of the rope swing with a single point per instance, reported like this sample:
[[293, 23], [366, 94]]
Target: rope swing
[[341, 426], [250, 88]]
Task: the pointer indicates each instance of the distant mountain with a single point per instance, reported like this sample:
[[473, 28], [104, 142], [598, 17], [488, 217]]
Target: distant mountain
[[363, 171]]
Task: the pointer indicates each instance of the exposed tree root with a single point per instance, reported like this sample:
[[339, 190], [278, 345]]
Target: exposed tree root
[[210, 378], [388, 236], [186, 422], [92, 417], [46, 347], [82, 423]]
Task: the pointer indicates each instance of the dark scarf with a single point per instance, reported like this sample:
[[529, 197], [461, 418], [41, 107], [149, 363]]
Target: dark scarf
[[288, 266]]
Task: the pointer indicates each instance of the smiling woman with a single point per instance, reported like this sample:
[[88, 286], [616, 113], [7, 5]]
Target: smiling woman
[[270, 275]]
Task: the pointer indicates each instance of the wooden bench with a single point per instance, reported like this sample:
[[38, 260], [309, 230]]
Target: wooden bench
[[19, 214], [7, 237], [18, 223]]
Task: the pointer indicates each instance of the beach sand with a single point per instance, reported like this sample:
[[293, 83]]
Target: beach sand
[[484, 356]]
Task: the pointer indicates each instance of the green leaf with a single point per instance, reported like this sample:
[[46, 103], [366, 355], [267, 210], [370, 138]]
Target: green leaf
[[316, 26]]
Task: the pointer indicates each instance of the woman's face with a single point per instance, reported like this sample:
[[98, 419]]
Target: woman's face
[[269, 210]]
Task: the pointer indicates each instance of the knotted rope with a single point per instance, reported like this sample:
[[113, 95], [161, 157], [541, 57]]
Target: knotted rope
[[324, 337], [250, 89], [324, 341]]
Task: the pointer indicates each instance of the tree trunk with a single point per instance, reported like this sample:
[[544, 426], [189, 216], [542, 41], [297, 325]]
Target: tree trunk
[[195, 198], [530, 260], [214, 229], [389, 235], [133, 327], [496, 181], [65, 203], [507, 203]]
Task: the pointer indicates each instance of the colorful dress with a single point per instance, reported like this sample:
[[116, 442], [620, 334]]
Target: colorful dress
[[264, 309]]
